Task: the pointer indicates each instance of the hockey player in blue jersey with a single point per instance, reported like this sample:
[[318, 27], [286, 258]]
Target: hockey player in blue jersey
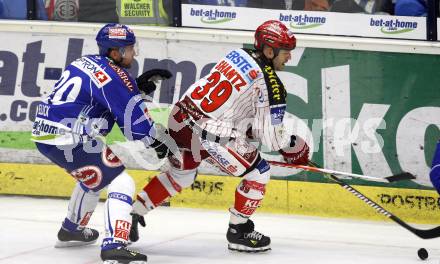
[[93, 93], [435, 168]]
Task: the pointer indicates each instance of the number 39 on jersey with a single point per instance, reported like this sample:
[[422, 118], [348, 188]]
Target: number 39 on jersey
[[224, 84]]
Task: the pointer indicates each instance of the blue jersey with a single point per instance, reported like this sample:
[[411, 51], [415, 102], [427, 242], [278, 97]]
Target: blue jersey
[[92, 94], [435, 168]]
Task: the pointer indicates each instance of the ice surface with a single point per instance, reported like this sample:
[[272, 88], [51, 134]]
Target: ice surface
[[191, 236]]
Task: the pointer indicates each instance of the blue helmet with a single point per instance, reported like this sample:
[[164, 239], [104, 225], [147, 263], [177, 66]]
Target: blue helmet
[[114, 36]]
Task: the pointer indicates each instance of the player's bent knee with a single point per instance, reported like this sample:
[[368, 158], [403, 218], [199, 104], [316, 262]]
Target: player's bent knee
[[123, 183], [84, 188], [261, 172], [184, 178]]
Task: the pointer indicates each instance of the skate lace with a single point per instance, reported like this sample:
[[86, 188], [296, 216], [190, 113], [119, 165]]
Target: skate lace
[[131, 251], [87, 232], [254, 235]]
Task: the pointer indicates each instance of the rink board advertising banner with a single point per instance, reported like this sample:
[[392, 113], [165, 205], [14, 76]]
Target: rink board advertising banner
[[217, 192], [309, 22], [372, 113]]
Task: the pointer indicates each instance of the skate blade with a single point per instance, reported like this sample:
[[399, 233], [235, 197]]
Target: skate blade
[[124, 262], [241, 248], [64, 244]]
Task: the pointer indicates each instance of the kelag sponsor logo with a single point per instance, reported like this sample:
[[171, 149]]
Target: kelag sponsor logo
[[303, 21], [213, 16], [393, 26], [120, 196]]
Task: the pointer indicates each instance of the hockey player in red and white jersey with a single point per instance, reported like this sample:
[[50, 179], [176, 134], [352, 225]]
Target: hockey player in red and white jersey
[[241, 98]]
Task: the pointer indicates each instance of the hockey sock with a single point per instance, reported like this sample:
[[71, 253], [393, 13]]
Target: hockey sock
[[117, 211], [82, 204], [248, 197], [159, 189]]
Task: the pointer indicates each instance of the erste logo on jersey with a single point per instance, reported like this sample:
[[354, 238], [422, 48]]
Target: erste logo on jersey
[[237, 69], [93, 70], [218, 158], [238, 59], [253, 74]]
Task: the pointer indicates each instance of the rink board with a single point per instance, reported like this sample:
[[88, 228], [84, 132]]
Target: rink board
[[360, 103], [217, 192]]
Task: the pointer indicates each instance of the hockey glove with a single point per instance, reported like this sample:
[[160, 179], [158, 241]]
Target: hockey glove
[[163, 144], [136, 220], [297, 153], [162, 150], [146, 81], [249, 134]]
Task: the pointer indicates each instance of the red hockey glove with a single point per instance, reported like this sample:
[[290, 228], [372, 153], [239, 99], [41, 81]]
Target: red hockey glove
[[297, 153]]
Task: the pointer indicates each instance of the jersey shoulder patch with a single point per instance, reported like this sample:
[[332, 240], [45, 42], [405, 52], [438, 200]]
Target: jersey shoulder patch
[[95, 72], [244, 64], [277, 114]]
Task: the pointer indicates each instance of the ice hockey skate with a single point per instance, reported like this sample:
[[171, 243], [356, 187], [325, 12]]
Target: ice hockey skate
[[122, 255], [244, 238], [73, 239]]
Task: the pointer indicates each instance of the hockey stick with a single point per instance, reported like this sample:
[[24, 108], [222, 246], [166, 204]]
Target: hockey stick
[[425, 234], [393, 178]]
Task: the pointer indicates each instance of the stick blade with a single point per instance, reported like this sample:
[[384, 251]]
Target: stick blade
[[428, 234], [400, 177]]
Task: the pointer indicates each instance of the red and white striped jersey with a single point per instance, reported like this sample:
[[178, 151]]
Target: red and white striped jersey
[[242, 90]]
